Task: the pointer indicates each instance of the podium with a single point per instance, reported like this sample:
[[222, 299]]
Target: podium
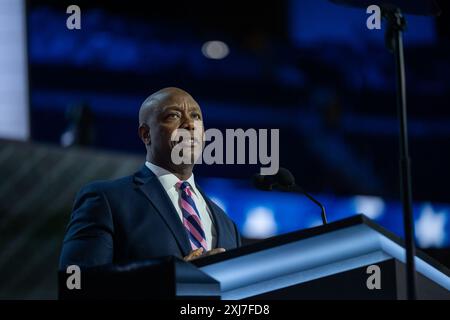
[[162, 278], [353, 258]]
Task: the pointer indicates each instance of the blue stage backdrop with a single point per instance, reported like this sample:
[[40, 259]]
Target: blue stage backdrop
[[261, 214]]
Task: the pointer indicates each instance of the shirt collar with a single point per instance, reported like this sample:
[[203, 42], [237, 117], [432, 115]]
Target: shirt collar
[[167, 178]]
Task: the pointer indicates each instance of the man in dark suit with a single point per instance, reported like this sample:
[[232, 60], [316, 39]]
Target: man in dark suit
[[158, 211]]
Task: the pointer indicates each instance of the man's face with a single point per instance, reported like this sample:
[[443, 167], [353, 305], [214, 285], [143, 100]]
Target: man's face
[[176, 115]]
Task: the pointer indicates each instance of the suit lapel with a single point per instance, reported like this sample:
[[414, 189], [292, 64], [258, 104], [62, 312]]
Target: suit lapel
[[149, 184]]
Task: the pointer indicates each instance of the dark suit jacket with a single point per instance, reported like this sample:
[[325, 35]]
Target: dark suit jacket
[[132, 219]]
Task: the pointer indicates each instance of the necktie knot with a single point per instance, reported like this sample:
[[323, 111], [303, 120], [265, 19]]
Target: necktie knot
[[184, 186]]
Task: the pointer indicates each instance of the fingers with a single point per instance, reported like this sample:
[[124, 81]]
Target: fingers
[[199, 252], [214, 251], [193, 254]]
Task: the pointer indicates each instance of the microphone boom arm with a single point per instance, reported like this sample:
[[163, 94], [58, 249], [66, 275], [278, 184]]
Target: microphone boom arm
[[298, 189]]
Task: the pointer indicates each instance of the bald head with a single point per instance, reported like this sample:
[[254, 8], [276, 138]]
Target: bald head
[[165, 96]]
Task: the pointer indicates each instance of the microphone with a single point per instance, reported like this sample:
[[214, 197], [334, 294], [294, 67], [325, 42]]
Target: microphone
[[285, 181]]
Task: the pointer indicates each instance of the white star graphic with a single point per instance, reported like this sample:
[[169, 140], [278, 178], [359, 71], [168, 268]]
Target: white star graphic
[[430, 226]]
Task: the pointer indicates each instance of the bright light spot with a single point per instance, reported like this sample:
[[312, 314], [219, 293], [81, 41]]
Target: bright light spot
[[430, 228], [260, 223], [67, 138], [14, 112], [215, 50], [371, 207]]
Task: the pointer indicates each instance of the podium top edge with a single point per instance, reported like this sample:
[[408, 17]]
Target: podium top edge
[[304, 234], [286, 238]]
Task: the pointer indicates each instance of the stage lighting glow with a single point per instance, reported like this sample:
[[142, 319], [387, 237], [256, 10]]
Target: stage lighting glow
[[14, 72], [430, 228], [370, 206], [260, 223], [215, 50]]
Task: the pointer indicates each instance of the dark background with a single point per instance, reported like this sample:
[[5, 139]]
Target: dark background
[[330, 91], [308, 68]]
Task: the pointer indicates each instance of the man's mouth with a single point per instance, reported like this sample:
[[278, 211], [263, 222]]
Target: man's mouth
[[189, 142]]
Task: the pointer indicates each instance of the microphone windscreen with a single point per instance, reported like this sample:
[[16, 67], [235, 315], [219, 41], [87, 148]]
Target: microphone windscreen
[[263, 182], [285, 178]]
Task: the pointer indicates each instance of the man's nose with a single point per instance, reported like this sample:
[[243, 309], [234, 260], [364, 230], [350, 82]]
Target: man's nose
[[188, 124]]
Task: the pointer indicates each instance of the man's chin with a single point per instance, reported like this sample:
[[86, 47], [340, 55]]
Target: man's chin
[[187, 156]]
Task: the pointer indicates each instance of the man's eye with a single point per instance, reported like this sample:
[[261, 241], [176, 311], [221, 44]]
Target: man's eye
[[196, 116], [173, 116]]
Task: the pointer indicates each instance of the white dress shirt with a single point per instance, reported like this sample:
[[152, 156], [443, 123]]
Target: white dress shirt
[[168, 180]]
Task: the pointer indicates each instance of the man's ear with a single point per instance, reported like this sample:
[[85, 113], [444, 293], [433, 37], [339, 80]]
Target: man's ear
[[144, 133]]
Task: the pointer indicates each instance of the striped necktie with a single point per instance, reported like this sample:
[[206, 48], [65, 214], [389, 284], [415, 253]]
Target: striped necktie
[[191, 217]]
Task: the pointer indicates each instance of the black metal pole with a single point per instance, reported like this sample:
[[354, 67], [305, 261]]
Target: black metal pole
[[396, 25]]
